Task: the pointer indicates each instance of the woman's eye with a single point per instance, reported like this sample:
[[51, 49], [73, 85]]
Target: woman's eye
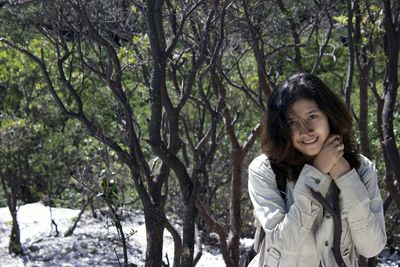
[[292, 124], [313, 116]]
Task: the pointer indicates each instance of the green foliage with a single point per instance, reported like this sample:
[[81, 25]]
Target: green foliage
[[342, 19], [110, 190]]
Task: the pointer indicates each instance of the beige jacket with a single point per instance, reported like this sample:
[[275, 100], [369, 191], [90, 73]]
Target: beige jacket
[[299, 233]]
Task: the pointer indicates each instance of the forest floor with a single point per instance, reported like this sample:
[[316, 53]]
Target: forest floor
[[95, 241]]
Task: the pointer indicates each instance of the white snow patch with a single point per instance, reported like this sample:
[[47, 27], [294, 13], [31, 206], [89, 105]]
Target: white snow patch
[[94, 243]]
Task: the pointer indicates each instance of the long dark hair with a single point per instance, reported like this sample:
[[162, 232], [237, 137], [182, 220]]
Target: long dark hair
[[276, 138]]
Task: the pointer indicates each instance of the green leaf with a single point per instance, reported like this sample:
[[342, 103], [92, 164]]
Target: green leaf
[[342, 20], [134, 9]]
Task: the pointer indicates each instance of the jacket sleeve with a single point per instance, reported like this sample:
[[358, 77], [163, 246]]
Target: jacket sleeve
[[285, 231], [363, 208]]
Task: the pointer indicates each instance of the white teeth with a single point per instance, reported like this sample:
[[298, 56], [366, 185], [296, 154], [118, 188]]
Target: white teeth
[[310, 142]]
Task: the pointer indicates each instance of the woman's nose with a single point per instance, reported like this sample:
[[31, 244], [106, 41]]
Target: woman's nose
[[305, 128]]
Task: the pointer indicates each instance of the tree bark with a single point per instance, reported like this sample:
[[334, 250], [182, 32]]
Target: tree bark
[[235, 217], [389, 178], [14, 245], [350, 69], [363, 118], [364, 68], [392, 41]]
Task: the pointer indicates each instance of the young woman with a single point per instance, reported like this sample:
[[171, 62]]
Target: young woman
[[330, 210]]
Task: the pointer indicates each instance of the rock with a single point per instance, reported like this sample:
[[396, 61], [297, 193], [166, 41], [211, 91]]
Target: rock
[[84, 245], [34, 248]]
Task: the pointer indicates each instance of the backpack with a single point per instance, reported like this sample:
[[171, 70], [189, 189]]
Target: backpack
[[248, 255]]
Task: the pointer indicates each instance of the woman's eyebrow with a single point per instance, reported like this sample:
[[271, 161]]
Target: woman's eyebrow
[[295, 116], [312, 111]]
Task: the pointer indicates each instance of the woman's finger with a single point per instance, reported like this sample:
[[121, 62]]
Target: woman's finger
[[331, 139]]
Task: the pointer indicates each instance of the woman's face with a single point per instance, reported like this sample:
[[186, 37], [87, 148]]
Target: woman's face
[[309, 127]]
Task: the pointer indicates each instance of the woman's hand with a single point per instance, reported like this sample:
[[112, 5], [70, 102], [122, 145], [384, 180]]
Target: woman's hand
[[330, 153]]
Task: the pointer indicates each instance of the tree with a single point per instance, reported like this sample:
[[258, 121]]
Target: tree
[[80, 41], [391, 84], [18, 139]]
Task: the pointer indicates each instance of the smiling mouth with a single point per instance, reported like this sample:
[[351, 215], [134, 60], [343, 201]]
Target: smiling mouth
[[309, 142]]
